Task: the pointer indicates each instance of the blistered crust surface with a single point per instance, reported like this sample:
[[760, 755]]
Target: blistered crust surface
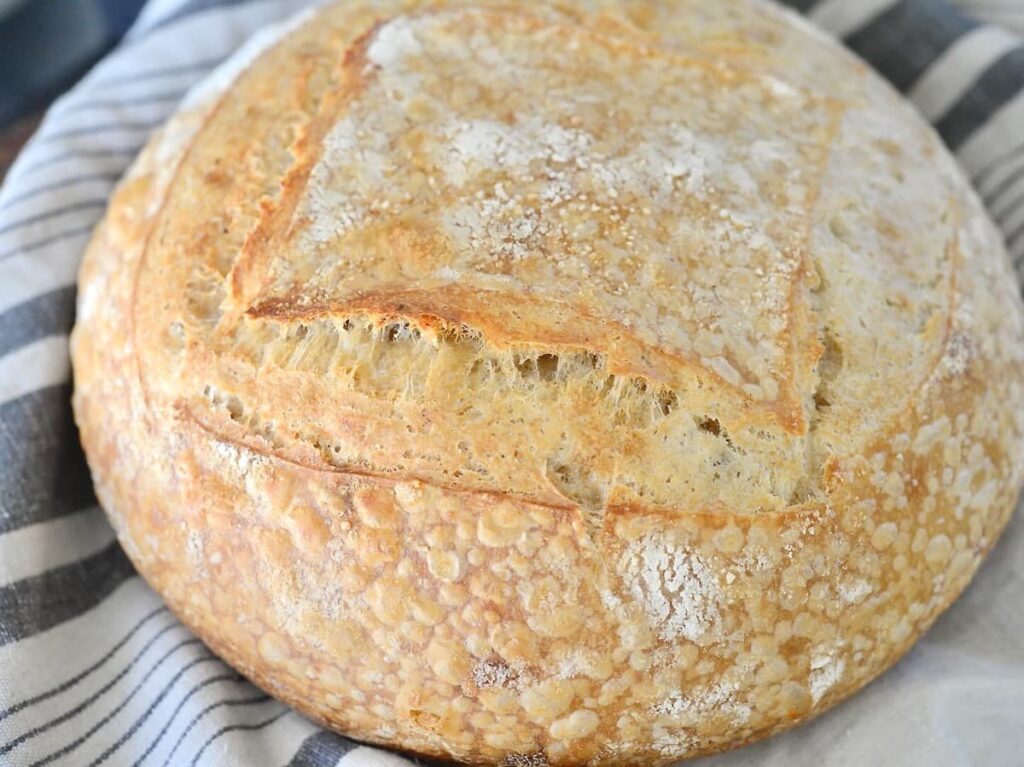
[[571, 383]]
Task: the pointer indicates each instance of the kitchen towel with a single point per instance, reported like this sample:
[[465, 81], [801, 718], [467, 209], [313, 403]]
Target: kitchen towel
[[94, 670]]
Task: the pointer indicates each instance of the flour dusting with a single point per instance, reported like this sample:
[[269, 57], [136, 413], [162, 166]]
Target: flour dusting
[[394, 42], [690, 707], [852, 593], [826, 671], [677, 588], [493, 672]]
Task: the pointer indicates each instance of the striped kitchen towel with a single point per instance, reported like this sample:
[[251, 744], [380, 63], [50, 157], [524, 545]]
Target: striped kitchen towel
[[94, 670]]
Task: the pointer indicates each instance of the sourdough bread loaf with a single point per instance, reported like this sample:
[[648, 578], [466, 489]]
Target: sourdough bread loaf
[[552, 383]]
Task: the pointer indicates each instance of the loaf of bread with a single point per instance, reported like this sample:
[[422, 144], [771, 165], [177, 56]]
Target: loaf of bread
[[560, 383]]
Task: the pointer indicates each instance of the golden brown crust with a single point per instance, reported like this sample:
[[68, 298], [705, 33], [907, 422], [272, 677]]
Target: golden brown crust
[[368, 403]]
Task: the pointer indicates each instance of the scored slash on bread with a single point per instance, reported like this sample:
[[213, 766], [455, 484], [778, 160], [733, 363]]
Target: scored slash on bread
[[578, 382]]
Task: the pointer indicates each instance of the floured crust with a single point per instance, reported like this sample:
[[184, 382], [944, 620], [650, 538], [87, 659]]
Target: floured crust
[[571, 382]]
